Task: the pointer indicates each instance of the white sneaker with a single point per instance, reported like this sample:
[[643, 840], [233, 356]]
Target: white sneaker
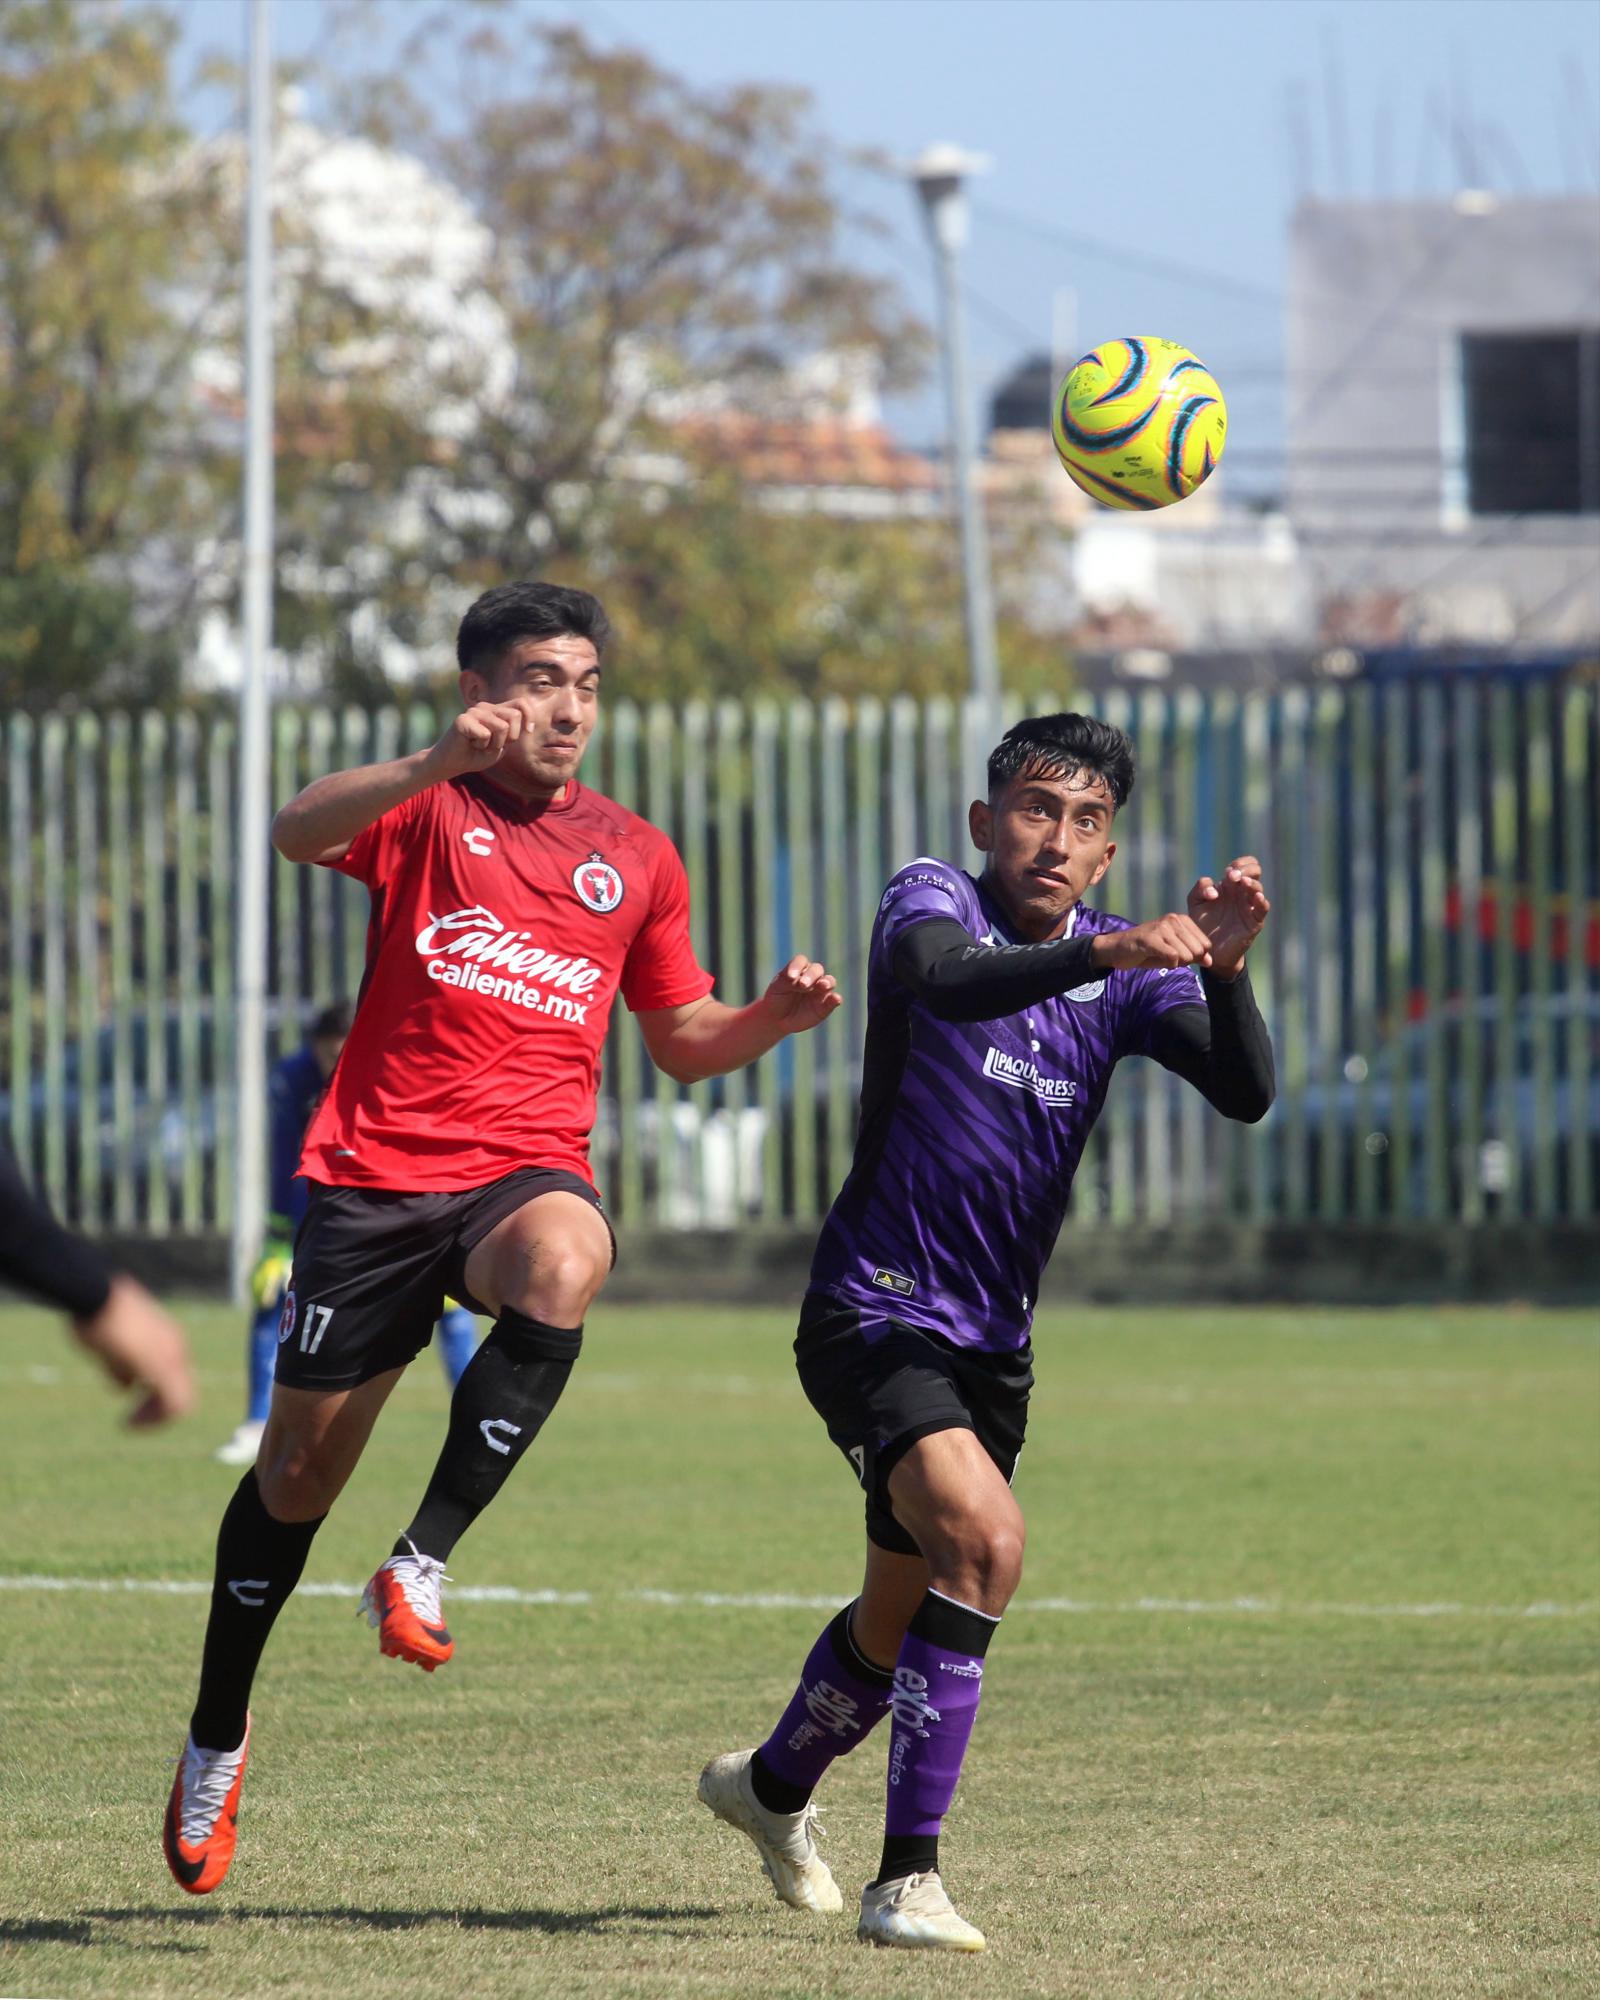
[[783, 1840], [915, 1913], [242, 1447]]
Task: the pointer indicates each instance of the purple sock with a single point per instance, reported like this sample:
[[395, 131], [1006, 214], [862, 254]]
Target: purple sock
[[841, 1697], [938, 1681]]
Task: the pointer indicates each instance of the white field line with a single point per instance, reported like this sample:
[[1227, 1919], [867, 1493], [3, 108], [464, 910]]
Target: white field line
[[715, 1600]]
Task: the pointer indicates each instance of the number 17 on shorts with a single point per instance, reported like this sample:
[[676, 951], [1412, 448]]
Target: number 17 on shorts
[[311, 1322]]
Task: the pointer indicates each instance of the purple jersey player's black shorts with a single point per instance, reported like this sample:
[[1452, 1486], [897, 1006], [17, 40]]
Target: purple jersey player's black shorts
[[880, 1387], [372, 1269]]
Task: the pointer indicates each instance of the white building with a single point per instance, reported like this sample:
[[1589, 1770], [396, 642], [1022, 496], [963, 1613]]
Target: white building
[[1444, 419]]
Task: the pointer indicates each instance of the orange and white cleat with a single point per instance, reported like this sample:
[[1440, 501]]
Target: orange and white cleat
[[201, 1829], [402, 1601]]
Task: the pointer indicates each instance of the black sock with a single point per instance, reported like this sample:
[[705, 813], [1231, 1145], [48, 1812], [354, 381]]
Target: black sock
[[773, 1792], [506, 1391], [907, 1854], [259, 1562]]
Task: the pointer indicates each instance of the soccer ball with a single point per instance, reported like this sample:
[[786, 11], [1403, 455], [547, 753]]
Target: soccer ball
[[1139, 423]]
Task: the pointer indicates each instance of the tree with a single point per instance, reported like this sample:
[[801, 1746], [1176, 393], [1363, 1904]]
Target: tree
[[654, 250], [105, 226], [658, 255]]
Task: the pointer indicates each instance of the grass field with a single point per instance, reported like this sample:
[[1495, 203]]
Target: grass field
[[1299, 1697]]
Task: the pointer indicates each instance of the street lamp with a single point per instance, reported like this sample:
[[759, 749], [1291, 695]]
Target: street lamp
[[938, 175]]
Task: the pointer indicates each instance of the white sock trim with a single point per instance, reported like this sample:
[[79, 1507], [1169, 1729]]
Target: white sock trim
[[945, 1598]]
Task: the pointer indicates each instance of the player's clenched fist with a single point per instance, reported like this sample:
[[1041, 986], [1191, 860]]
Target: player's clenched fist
[[478, 736], [803, 994], [1174, 939]]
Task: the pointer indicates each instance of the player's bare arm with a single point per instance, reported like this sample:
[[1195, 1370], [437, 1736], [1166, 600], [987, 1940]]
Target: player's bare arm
[[707, 1038], [319, 823]]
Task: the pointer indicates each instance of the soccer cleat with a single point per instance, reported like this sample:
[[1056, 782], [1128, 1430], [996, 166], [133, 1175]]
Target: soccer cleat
[[402, 1601], [915, 1914], [242, 1447], [201, 1829], [783, 1840]]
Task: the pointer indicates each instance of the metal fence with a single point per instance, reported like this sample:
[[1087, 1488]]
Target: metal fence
[[1431, 972]]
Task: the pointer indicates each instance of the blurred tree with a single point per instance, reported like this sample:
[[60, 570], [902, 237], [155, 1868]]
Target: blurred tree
[[714, 594], [104, 212], [658, 255], [654, 251]]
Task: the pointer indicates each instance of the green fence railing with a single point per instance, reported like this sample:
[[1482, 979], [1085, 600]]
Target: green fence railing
[[1431, 972]]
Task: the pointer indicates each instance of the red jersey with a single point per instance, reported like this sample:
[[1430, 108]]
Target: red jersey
[[500, 934]]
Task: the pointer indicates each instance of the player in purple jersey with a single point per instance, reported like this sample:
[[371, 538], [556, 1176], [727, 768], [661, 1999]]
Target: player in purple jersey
[[997, 1009]]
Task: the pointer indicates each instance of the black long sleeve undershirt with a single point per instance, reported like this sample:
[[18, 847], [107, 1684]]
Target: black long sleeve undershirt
[[39, 1256], [958, 979], [1221, 1048]]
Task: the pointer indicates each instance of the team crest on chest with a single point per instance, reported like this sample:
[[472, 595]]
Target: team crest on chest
[[598, 884]]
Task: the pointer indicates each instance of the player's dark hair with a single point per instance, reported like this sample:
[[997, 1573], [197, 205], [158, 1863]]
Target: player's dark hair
[[1059, 746], [333, 1023], [513, 611]]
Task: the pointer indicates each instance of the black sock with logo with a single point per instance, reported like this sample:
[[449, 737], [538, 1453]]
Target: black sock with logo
[[259, 1562], [506, 1391]]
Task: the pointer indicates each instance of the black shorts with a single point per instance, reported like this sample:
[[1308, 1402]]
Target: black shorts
[[372, 1269], [878, 1396]]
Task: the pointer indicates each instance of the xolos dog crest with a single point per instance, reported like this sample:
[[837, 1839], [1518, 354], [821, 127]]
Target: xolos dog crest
[[598, 884]]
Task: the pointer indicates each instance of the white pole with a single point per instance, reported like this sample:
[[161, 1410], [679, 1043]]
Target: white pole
[[939, 176], [250, 1199]]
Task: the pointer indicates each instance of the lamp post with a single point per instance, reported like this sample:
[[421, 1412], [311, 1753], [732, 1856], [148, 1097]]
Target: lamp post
[[938, 175]]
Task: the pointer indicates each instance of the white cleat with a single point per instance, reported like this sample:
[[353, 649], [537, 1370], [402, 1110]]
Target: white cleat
[[915, 1914], [784, 1841], [242, 1447]]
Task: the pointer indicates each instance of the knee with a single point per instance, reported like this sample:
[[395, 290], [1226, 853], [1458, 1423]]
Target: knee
[[295, 1482], [562, 1286], [981, 1563]]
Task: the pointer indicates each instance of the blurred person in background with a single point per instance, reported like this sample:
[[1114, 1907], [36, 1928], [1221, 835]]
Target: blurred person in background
[[135, 1340], [295, 1089]]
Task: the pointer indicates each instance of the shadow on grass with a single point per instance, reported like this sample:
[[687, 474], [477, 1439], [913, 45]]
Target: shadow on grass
[[554, 1923], [79, 1931]]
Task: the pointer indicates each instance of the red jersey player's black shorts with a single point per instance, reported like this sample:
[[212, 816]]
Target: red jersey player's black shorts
[[372, 1270], [879, 1392]]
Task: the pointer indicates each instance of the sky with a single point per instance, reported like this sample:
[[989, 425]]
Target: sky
[[1146, 155]]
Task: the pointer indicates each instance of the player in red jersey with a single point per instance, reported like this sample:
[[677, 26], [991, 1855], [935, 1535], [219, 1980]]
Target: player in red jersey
[[510, 905]]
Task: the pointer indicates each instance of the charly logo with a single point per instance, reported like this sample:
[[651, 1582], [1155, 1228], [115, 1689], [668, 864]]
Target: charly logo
[[598, 884], [498, 1433], [967, 1670], [1021, 1074], [473, 949], [909, 1703]]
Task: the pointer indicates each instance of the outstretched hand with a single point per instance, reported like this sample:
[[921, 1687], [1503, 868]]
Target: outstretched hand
[[1231, 912], [803, 994]]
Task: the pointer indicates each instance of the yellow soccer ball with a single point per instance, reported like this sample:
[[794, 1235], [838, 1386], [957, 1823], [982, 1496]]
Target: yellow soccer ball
[[1139, 423]]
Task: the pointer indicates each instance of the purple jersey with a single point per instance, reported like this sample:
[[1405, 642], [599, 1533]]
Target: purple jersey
[[971, 1131]]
